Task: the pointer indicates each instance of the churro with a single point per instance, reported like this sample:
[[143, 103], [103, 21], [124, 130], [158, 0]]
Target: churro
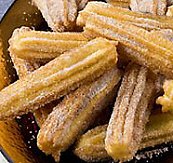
[[30, 44], [130, 114], [139, 45], [119, 3], [167, 99], [147, 21], [156, 7], [60, 15], [76, 113], [57, 78], [91, 147]]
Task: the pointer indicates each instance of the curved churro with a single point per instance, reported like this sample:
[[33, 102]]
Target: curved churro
[[91, 147], [76, 113], [30, 44], [57, 78], [130, 114]]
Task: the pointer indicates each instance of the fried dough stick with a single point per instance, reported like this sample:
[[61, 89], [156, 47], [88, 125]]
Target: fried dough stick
[[130, 114], [146, 21], [76, 113], [57, 78], [38, 45], [139, 45]]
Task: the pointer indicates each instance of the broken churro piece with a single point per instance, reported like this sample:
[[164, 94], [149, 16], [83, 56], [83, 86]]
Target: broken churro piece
[[30, 44], [156, 7], [130, 114], [141, 46], [76, 113], [59, 14], [146, 21], [167, 99], [57, 78], [91, 146]]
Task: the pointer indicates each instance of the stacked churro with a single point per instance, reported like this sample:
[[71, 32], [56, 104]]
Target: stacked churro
[[58, 77], [139, 45], [60, 15], [124, 15], [69, 80], [71, 118], [130, 114], [29, 44]]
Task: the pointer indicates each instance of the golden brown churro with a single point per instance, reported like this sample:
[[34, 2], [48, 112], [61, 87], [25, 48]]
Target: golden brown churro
[[57, 78], [76, 113], [167, 99], [147, 21], [143, 47], [91, 146], [30, 44], [156, 7], [119, 3], [60, 15], [130, 114]]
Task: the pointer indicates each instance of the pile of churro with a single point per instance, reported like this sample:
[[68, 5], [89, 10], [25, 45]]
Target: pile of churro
[[99, 57]]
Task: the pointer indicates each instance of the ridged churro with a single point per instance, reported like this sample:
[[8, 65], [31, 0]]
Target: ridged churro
[[141, 46], [119, 3], [60, 15], [57, 78], [130, 114], [167, 99], [91, 147], [30, 44], [76, 113], [156, 7], [147, 21]]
